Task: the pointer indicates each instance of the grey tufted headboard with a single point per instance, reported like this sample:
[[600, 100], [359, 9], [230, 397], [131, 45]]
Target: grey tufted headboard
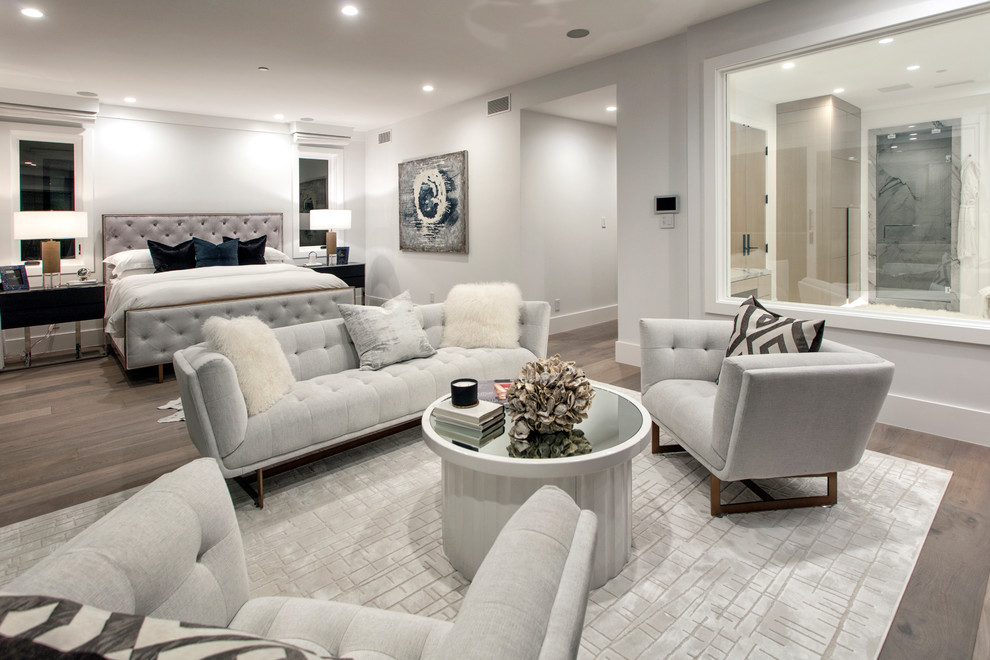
[[131, 231]]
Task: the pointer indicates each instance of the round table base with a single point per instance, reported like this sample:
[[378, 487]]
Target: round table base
[[477, 505]]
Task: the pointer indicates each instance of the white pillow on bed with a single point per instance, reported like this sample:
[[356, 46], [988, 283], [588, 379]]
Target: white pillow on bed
[[263, 372], [273, 256], [130, 260]]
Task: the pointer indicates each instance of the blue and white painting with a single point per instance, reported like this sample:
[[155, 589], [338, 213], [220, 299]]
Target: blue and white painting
[[433, 204]]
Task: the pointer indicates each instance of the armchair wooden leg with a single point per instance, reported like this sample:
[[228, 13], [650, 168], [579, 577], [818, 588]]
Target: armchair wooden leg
[[767, 503], [657, 448]]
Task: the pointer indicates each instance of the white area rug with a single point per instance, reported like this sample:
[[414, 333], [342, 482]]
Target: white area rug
[[365, 527]]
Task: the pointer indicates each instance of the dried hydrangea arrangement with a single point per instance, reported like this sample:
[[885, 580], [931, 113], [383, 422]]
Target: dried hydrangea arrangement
[[545, 402]]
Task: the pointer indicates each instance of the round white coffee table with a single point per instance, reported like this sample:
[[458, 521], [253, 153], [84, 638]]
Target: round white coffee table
[[483, 488]]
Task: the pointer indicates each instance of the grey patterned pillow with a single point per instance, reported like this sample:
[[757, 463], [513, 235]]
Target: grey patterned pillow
[[42, 627], [387, 334]]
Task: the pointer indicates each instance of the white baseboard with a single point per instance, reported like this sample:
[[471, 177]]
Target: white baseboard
[[947, 420], [626, 353], [575, 320]]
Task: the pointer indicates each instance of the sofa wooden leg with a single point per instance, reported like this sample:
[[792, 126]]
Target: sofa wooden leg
[[256, 491], [767, 503], [161, 373], [261, 490]]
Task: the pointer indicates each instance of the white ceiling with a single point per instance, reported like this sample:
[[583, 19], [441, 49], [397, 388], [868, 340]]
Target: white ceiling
[[954, 61], [367, 71], [588, 106]]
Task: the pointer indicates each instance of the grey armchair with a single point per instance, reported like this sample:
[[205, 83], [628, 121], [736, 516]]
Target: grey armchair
[[768, 416]]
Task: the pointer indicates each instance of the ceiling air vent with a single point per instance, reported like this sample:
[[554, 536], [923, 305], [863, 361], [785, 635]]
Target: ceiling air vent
[[499, 105], [385, 136], [894, 88]]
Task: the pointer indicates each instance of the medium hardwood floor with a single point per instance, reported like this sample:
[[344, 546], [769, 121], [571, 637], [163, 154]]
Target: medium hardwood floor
[[73, 432]]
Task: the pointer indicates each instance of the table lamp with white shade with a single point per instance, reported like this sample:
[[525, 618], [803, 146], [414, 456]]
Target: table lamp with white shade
[[49, 225], [330, 220]]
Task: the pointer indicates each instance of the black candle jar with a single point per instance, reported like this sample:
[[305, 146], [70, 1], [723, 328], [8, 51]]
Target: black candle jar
[[464, 393]]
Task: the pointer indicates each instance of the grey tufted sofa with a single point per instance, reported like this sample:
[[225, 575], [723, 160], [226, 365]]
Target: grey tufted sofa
[[333, 404], [174, 551]]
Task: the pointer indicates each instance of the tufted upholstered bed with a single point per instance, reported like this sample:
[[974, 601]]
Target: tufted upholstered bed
[[147, 330]]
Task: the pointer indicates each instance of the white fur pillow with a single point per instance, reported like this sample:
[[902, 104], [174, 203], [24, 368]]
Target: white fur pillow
[[482, 316], [262, 369]]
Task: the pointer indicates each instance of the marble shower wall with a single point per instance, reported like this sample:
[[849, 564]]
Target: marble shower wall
[[914, 192]]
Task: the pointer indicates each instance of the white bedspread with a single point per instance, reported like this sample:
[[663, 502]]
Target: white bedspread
[[211, 283]]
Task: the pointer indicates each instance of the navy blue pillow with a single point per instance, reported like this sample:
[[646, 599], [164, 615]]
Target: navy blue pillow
[[172, 257], [210, 254], [251, 251]]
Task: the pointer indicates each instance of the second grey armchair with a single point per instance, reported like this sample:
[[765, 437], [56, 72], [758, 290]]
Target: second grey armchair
[[768, 416]]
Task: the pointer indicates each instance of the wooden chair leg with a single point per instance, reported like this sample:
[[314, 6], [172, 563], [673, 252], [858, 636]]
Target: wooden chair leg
[[767, 503], [655, 445]]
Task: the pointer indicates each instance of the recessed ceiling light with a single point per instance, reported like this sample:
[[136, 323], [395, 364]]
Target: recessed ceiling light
[[914, 138], [913, 133], [893, 146], [279, 115], [787, 65], [912, 126], [427, 88], [130, 99], [578, 33], [263, 68], [914, 67], [886, 40], [87, 93], [838, 90], [349, 10], [305, 119], [31, 12], [611, 108]]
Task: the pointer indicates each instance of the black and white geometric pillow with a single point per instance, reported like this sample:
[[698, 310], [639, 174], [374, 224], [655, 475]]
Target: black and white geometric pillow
[[41, 627], [757, 330]]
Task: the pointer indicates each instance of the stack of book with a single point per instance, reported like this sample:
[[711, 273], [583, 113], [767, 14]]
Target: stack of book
[[472, 427]]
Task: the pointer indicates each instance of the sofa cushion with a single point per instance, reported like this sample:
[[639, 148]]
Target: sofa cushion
[[262, 369], [342, 629], [482, 315], [331, 408], [37, 625], [387, 334], [686, 407]]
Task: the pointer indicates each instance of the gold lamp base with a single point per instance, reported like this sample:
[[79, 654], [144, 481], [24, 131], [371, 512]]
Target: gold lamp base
[[51, 260], [331, 246]]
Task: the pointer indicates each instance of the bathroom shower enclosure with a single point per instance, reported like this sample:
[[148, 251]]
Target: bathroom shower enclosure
[[914, 201]]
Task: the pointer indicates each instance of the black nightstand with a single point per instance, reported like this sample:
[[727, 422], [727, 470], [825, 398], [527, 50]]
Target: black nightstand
[[352, 274], [65, 304]]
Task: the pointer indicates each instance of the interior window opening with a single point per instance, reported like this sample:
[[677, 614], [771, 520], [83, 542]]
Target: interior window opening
[[857, 175]]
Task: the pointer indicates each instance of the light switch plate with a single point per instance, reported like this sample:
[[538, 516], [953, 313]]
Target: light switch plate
[[666, 221]]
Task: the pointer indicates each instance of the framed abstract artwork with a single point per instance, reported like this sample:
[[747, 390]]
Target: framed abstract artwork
[[433, 204]]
